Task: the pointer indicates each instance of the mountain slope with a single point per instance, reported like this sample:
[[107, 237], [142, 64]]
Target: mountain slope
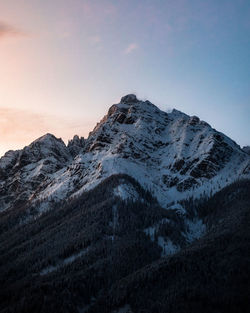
[[93, 255], [211, 275], [135, 218], [172, 154], [81, 241]]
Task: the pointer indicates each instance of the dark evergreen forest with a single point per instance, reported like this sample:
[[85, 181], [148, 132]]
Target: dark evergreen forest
[[91, 254]]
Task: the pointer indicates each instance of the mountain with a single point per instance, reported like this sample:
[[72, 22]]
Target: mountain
[[172, 154], [150, 213]]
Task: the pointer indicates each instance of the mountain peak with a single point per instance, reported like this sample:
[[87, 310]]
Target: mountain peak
[[75, 145], [47, 138], [176, 113], [132, 103], [130, 98], [46, 146]]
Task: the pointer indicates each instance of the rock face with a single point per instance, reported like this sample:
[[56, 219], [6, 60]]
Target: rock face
[[23, 172], [246, 149], [171, 154], [76, 145]]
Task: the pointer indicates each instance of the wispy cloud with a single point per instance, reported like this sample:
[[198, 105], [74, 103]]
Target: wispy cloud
[[7, 30], [131, 48]]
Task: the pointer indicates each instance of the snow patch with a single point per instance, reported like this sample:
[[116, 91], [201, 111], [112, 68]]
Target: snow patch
[[126, 192], [152, 230], [196, 229], [168, 248], [64, 262]]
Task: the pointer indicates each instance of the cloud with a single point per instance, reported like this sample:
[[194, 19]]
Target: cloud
[[7, 30], [131, 48]]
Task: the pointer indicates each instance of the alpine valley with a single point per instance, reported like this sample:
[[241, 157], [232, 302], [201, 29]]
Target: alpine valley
[[150, 213]]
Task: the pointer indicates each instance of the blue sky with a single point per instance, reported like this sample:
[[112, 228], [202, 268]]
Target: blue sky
[[63, 63]]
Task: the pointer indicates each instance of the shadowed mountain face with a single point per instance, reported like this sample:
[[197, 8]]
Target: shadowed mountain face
[[150, 213]]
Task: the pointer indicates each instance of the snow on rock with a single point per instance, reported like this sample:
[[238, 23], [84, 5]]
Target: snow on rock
[[25, 173], [171, 154]]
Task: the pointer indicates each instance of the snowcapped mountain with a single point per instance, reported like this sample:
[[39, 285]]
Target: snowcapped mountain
[[135, 218], [171, 154]]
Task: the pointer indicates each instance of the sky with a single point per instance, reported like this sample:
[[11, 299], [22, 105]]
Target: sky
[[63, 63]]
